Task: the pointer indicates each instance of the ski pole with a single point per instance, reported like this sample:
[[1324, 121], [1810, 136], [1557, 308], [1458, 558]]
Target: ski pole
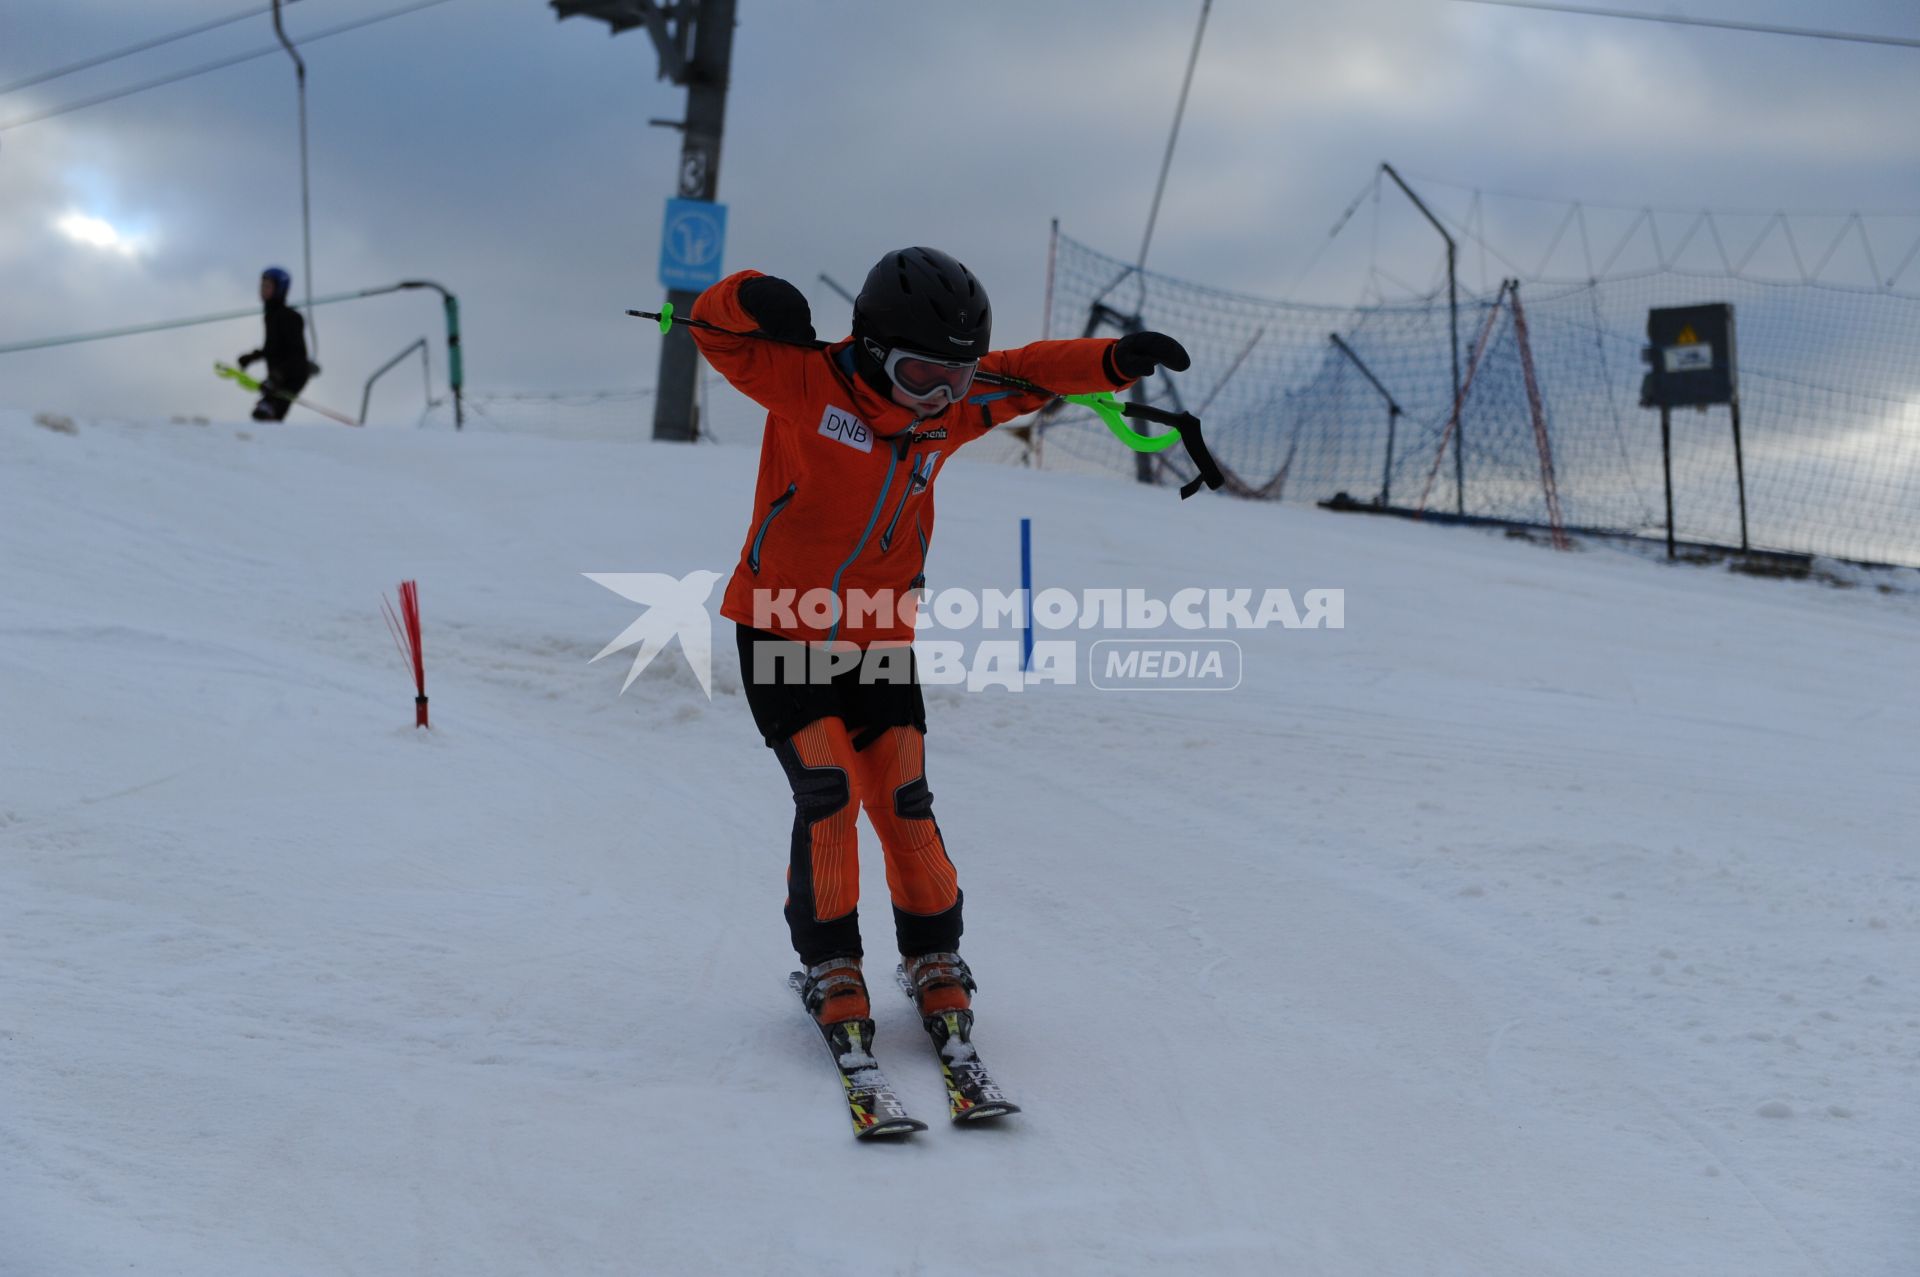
[[254, 385], [667, 319], [1111, 411]]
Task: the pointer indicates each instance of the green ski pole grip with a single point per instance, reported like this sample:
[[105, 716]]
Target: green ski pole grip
[[1111, 411]]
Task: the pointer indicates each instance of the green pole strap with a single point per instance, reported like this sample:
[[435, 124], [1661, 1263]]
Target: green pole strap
[[1113, 412], [666, 318]]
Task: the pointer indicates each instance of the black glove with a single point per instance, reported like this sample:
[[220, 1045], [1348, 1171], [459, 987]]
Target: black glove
[[777, 307], [1139, 354], [249, 357]]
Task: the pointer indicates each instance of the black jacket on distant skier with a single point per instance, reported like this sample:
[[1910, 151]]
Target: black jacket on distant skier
[[285, 348]]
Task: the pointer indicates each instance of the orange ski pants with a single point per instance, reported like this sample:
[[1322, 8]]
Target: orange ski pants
[[831, 783]]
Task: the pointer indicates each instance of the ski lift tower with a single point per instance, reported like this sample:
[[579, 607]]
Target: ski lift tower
[[694, 39]]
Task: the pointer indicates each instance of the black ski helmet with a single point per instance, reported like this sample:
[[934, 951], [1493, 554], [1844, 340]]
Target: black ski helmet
[[925, 301]]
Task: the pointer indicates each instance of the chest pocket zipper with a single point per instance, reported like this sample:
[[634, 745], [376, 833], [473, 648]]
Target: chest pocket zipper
[[779, 503], [917, 482]]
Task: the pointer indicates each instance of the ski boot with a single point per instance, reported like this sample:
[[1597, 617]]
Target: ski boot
[[938, 982], [835, 991]]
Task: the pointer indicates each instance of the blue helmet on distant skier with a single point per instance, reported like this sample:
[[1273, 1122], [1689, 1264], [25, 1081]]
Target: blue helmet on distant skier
[[282, 282]]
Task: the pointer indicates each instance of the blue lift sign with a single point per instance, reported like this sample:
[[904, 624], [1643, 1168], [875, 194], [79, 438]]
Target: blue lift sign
[[692, 240]]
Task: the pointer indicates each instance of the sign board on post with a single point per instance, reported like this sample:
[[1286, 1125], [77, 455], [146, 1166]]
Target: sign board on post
[[1690, 360], [693, 239], [1690, 353]]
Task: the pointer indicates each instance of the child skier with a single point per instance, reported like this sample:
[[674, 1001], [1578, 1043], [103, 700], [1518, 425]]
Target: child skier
[[855, 437], [285, 350]]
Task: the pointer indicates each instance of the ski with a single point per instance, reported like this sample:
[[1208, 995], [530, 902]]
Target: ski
[[972, 1094], [876, 1111]]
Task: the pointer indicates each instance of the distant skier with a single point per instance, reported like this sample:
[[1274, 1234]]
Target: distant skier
[[855, 436], [285, 350]]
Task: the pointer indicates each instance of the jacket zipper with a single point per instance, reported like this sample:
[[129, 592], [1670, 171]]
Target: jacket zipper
[[779, 503], [920, 580], [916, 482], [897, 454]]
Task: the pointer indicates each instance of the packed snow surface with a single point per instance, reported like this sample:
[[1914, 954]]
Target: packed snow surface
[[1558, 915]]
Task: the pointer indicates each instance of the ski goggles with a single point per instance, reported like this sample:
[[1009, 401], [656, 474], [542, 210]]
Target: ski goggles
[[923, 376]]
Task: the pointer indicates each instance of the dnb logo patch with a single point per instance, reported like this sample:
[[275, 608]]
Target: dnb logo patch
[[838, 423]]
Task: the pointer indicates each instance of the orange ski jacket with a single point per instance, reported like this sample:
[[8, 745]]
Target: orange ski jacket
[[844, 502]]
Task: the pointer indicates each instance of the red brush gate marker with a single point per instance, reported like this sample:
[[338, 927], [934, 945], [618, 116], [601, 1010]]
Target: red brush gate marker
[[405, 628]]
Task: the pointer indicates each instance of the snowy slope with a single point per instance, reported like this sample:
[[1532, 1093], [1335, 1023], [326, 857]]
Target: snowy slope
[[1560, 915]]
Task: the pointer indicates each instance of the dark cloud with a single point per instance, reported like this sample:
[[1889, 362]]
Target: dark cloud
[[484, 144]]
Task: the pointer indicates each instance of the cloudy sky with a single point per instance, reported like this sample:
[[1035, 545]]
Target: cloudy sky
[[484, 144]]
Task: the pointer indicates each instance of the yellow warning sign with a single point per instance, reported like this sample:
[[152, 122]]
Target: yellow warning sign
[[1687, 337]]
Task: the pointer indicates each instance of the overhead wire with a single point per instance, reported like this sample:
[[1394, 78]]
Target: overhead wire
[[217, 65], [1179, 113], [87, 64], [1721, 24]]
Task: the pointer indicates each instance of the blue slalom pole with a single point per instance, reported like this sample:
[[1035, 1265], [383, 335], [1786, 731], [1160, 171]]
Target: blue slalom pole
[[1026, 593]]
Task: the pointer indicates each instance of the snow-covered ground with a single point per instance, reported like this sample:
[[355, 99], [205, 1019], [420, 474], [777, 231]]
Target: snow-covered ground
[[1559, 915]]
